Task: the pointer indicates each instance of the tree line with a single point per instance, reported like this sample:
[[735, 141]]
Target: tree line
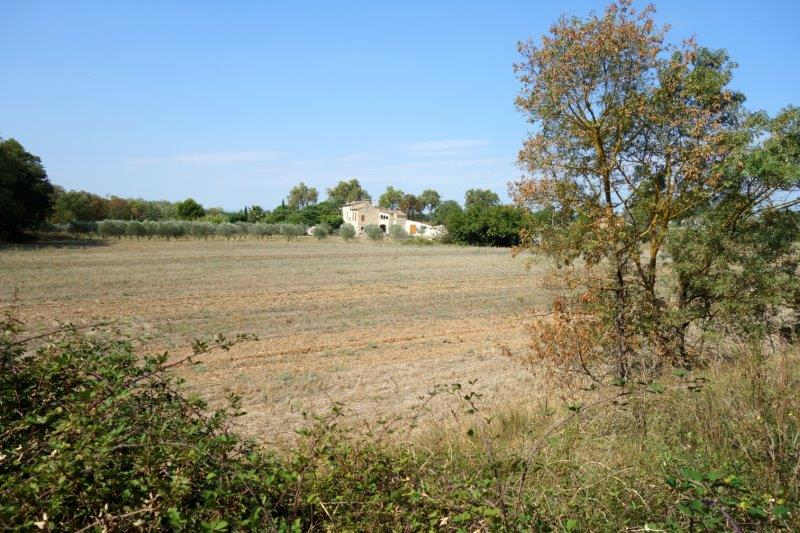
[[29, 201]]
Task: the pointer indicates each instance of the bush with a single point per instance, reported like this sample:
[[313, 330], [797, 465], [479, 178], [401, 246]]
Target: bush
[[151, 228], [347, 231], [111, 228], [226, 229], [202, 229], [135, 229], [321, 231], [397, 232], [292, 231], [82, 227], [374, 232], [97, 437]]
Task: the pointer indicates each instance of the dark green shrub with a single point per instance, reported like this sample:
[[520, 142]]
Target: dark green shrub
[[96, 437], [82, 227]]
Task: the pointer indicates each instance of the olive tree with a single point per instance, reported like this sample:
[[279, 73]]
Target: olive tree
[[347, 231]]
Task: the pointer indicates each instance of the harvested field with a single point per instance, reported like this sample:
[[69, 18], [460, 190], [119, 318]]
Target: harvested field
[[374, 326]]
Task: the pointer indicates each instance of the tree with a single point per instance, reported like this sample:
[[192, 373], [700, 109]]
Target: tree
[[638, 145], [301, 196], [412, 205], [487, 225], [430, 200], [71, 206], [347, 231], [483, 197], [321, 231], [445, 212], [347, 191], [256, 214], [190, 210], [391, 199], [374, 232], [119, 208], [25, 191]]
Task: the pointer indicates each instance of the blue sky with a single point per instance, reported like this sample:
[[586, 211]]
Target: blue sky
[[234, 102]]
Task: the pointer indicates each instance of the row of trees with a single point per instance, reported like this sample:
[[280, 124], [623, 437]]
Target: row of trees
[[173, 229], [483, 220], [27, 199]]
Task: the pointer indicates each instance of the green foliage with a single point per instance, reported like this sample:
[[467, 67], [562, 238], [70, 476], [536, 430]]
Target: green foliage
[[392, 198], [135, 229], [446, 212], [430, 200], [486, 225], [646, 167], [321, 231], [25, 192], [374, 232], [347, 191], [292, 231], [480, 197], [83, 228], [190, 210], [301, 196], [97, 436], [347, 231], [112, 228], [72, 206]]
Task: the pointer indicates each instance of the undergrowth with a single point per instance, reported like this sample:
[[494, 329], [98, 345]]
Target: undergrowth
[[95, 437]]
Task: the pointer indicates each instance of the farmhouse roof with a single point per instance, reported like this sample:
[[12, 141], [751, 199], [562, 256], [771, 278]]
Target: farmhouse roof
[[366, 203]]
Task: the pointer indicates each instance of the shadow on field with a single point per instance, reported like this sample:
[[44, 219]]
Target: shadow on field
[[36, 242]]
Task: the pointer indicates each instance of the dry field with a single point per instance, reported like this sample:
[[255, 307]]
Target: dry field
[[374, 326]]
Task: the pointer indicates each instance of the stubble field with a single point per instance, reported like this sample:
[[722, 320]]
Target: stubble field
[[374, 327]]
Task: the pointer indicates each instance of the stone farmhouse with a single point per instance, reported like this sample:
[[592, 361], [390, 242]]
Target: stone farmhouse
[[362, 213]]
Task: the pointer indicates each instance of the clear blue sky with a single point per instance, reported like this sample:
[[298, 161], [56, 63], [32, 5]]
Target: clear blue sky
[[234, 102]]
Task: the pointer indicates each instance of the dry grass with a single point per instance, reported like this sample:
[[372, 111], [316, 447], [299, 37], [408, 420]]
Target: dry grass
[[375, 326]]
